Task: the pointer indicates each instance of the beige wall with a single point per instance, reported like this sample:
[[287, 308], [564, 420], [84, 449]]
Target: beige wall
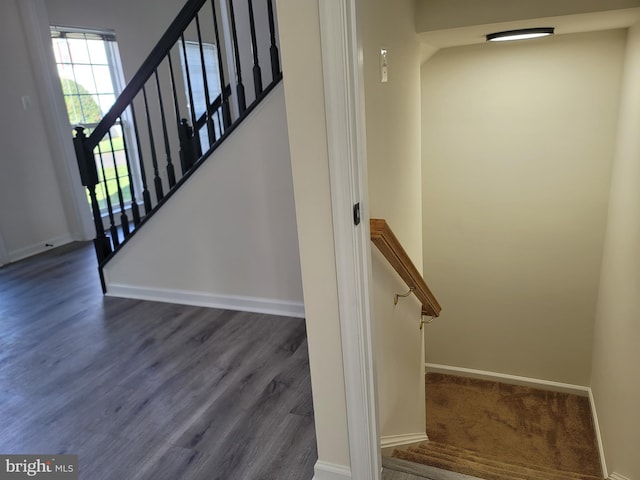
[[394, 165], [443, 14], [517, 151], [304, 96], [616, 355]]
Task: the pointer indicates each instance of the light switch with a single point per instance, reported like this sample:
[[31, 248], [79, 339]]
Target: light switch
[[384, 66], [26, 102]]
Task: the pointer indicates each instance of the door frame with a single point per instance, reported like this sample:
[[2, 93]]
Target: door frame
[[344, 106]]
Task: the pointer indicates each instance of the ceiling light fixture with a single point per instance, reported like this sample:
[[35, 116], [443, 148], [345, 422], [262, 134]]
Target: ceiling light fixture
[[521, 34]]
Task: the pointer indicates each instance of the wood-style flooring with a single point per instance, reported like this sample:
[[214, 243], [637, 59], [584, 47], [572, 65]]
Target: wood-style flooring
[[148, 390]]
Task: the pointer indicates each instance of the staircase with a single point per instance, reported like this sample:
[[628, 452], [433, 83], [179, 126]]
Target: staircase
[[214, 64]]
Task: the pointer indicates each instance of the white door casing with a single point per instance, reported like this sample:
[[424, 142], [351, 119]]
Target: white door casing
[[342, 71]]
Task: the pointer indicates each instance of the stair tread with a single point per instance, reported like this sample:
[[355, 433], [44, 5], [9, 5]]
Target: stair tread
[[474, 463], [487, 458]]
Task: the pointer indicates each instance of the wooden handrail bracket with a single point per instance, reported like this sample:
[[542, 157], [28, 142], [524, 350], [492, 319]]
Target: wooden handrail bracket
[[383, 237]]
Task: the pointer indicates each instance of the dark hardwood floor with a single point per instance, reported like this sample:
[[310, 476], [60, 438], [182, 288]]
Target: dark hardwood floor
[[148, 390]]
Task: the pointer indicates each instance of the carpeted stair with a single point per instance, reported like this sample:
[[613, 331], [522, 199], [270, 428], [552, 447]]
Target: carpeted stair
[[498, 431], [483, 466]]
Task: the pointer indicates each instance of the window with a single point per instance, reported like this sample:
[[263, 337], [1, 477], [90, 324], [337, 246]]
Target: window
[[91, 78], [192, 75]]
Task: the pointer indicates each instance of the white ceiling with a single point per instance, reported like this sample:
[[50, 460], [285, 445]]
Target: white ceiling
[[585, 22]]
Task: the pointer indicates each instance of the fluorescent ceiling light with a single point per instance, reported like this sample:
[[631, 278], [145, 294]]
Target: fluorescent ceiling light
[[521, 34]]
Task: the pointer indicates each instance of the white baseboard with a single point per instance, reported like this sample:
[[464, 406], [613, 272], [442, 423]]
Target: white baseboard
[[329, 471], [398, 440], [40, 247], [536, 383], [617, 476], [205, 299], [510, 379]]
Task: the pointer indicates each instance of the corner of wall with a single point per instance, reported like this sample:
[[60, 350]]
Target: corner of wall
[[596, 426]]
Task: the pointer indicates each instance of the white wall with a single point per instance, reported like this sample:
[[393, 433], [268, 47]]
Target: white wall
[[304, 93], [229, 234], [517, 152], [394, 180], [31, 205], [616, 356]]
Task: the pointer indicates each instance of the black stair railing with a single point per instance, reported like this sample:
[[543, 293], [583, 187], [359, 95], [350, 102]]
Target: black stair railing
[[187, 97]]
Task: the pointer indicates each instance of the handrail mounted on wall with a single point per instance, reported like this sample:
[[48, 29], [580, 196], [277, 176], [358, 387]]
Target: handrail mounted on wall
[[383, 237]]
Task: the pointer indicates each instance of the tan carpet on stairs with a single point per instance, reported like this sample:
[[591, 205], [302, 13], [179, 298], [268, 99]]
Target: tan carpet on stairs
[[498, 431]]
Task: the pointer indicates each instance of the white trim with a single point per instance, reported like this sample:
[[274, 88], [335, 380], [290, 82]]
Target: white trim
[[617, 476], [511, 379], [596, 425], [205, 299], [407, 439], [39, 247], [329, 471], [342, 76]]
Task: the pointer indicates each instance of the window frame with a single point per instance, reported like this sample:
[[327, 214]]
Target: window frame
[[118, 83]]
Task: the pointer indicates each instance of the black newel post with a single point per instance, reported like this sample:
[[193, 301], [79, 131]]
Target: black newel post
[[89, 177], [187, 146]]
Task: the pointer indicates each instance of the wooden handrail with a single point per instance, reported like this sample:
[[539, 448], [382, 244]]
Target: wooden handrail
[[383, 237]]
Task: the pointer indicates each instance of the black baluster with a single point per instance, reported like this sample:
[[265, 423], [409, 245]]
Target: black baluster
[[188, 154], [257, 73], [218, 116], [89, 178], [207, 98], [146, 196], [176, 106], [154, 158], [124, 220], [242, 102], [171, 176], [224, 95], [115, 240], [275, 57], [190, 91], [135, 211]]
